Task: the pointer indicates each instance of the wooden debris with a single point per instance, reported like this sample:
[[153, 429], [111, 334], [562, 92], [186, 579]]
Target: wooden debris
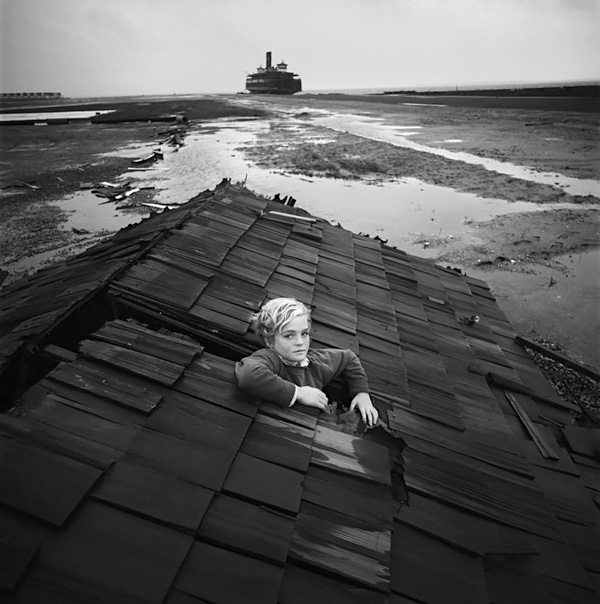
[[537, 438]]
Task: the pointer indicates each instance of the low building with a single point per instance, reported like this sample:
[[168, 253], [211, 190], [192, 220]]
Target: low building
[[30, 95]]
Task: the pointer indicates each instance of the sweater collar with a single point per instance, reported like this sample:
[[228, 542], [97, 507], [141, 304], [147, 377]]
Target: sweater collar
[[303, 363]]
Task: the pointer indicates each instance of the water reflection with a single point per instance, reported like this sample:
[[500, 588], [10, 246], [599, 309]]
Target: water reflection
[[406, 213], [86, 211]]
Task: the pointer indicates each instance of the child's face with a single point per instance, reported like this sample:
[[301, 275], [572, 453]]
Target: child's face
[[292, 341]]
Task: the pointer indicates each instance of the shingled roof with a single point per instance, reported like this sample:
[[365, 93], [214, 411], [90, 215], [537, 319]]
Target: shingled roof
[[132, 468]]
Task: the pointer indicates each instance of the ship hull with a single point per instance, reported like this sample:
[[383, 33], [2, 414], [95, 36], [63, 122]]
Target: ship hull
[[261, 83]]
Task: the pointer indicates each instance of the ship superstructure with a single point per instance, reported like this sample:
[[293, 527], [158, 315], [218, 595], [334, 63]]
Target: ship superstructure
[[273, 80]]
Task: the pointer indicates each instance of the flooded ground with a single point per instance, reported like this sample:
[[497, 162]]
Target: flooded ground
[[513, 244], [406, 212], [41, 116], [507, 197]]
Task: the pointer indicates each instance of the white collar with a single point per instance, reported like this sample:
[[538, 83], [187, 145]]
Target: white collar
[[303, 363]]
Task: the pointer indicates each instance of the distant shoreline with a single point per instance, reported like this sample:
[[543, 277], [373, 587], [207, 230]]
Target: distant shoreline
[[592, 91]]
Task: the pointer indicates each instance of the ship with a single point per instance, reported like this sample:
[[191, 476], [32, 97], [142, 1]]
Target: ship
[[273, 80]]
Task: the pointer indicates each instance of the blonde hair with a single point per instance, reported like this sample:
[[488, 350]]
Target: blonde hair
[[274, 314]]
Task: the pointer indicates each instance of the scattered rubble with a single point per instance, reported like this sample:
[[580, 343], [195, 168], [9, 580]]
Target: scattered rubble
[[573, 384], [22, 184]]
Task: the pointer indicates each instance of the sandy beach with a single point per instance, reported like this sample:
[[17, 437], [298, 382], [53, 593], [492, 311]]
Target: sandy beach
[[509, 194]]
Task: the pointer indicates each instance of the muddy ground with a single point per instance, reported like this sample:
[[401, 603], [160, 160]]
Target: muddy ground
[[514, 253], [527, 258], [42, 164]]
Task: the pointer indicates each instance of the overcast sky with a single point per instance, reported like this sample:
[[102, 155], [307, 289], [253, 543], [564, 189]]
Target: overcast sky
[[120, 47]]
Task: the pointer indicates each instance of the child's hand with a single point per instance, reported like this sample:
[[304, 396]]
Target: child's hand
[[368, 413], [312, 397]]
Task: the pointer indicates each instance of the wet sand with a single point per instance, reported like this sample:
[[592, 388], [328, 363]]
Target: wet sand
[[389, 169], [538, 172]]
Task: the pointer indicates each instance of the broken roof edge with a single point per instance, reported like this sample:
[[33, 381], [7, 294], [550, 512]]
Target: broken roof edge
[[21, 337]]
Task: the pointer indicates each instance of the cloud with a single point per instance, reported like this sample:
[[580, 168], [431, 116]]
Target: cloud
[[153, 46]]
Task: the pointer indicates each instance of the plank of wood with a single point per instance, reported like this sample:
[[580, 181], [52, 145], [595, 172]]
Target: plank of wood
[[159, 274], [333, 338], [212, 379], [347, 551], [59, 354], [528, 343], [434, 572], [293, 273], [181, 260], [247, 528], [300, 416], [260, 244], [136, 559], [249, 266], [204, 466], [198, 409], [445, 414], [368, 501], [280, 285], [581, 440], [39, 482], [215, 318], [493, 452], [273, 440], [544, 447], [567, 496], [59, 413], [545, 394], [213, 574], [234, 310], [138, 363], [354, 455], [59, 442], [312, 232], [91, 378], [232, 290], [16, 554], [136, 337], [516, 503], [463, 530], [156, 292], [507, 585], [299, 265], [210, 250], [155, 494], [335, 310], [84, 401], [335, 289], [301, 585], [336, 271], [557, 561], [254, 478], [178, 421]]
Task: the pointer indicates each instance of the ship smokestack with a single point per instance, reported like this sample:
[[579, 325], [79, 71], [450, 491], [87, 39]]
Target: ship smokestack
[[269, 60]]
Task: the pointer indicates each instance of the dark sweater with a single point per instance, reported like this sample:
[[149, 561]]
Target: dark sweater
[[263, 374]]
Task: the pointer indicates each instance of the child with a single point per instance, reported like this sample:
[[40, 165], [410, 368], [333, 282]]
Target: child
[[288, 372]]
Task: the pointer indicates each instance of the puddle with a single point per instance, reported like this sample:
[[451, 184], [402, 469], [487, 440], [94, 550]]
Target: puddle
[[404, 213], [88, 212], [48, 115]]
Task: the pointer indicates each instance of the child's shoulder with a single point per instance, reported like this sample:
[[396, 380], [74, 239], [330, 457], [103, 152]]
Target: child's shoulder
[[328, 353], [264, 355]]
